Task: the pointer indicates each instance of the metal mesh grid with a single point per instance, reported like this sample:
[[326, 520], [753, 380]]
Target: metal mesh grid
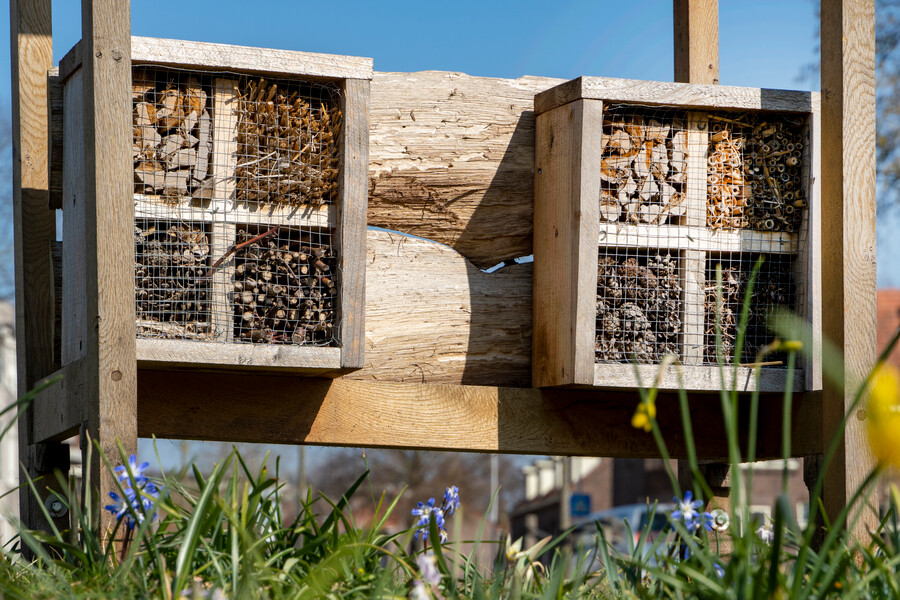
[[680, 192], [284, 286], [774, 288], [644, 165], [288, 136], [222, 158], [171, 288], [639, 306], [756, 176]]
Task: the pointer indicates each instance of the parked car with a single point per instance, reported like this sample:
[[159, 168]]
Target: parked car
[[618, 521]]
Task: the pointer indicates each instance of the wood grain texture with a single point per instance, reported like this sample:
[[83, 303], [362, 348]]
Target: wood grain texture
[[75, 322], [158, 354], [667, 93], [352, 232], [696, 25], [559, 342], [431, 316], [848, 232], [109, 241], [680, 237], [694, 377], [451, 159], [273, 409], [205, 55], [34, 225]]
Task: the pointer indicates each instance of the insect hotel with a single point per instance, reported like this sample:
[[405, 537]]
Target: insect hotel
[[654, 203], [249, 205]]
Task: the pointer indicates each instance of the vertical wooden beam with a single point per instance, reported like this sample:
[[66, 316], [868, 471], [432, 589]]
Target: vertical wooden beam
[[697, 61], [109, 245], [352, 228], [696, 41], [35, 229], [848, 233]]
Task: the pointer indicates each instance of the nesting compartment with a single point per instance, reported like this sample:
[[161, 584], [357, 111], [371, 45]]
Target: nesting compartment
[[643, 190], [250, 189]]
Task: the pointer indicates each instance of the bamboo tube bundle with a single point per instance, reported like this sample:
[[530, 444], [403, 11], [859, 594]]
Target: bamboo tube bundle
[[639, 307], [285, 289], [774, 288], [643, 166], [754, 176], [172, 133], [288, 143], [171, 287]]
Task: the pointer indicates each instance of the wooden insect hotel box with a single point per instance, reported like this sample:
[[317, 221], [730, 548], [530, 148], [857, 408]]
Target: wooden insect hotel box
[[643, 193], [250, 191]]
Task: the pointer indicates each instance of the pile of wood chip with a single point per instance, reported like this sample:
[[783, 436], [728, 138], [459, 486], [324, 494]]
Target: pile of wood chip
[[172, 134], [643, 167], [639, 307]]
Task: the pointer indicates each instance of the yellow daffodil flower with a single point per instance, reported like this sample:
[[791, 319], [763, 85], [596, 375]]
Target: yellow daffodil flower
[[644, 415], [884, 415]]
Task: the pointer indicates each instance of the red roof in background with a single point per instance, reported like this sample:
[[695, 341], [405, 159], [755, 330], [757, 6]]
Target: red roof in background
[[888, 314]]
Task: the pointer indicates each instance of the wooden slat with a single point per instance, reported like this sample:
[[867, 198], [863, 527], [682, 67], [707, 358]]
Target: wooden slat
[[233, 213], [156, 354], [285, 410], [696, 41], [693, 377], [677, 237], [204, 55], [352, 233], [109, 242], [848, 233], [75, 322], [34, 225], [665, 93], [566, 219], [694, 274], [226, 98]]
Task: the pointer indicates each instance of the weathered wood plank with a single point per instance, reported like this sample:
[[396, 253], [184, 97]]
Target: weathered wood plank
[[34, 223], [284, 410], [226, 56], [111, 379], [352, 232], [432, 316], [451, 158], [696, 41], [55, 149], [667, 93], [848, 233], [75, 322], [160, 354], [679, 237], [695, 377]]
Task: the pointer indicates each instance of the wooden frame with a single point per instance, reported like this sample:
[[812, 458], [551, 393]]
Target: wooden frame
[[106, 395], [346, 218], [568, 231]]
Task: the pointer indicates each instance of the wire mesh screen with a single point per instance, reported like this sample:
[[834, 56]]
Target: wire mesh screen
[[237, 187], [284, 287], [644, 165], [756, 173], [680, 192], [639, 306], [774, 288]]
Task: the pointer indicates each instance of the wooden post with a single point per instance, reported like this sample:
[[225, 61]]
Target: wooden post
[[848, 235], [108, 241], [697, 61], [35, 229], [696, 41]]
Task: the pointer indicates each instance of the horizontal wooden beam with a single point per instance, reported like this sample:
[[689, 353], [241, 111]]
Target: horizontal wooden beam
[[674, 94], [204, 55], [679, 237], [343, 412]]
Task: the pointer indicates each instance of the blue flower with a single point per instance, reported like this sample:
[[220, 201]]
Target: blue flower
[[720, 572], [136, 470], [687, 510], [451, 500], [135, 505]]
